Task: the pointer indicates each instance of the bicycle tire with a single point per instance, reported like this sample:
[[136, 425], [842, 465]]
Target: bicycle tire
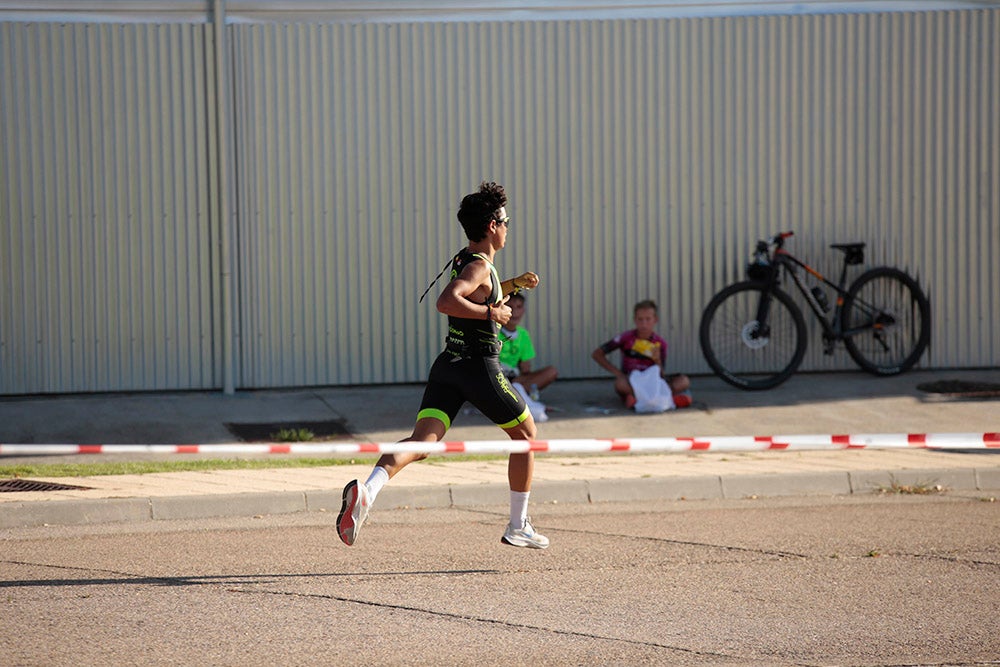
[[726, 334], [886, 292]]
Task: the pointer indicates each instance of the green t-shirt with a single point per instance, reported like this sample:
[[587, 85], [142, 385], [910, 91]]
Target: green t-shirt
[[516, 348]]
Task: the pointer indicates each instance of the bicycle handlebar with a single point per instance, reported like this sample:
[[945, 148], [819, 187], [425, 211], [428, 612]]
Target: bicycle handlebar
[[762, 256], [778, 240]]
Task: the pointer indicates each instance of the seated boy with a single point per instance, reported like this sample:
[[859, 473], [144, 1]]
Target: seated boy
[[641, 348], [518, 351]]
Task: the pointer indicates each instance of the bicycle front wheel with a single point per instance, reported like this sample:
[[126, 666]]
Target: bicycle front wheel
[[753, 337], [886, 321]]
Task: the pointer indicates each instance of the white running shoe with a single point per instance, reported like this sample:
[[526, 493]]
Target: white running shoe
[[353, 512], [524, 537]]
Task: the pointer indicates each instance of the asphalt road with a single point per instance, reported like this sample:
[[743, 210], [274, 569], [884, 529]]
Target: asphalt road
[[903, 580]]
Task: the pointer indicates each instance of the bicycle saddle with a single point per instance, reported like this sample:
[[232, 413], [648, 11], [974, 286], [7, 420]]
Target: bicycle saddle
[[854, 252]]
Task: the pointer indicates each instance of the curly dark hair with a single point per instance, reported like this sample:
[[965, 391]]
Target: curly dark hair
[[479, 208]]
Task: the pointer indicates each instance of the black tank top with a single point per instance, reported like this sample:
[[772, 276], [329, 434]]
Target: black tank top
[[468, 337]]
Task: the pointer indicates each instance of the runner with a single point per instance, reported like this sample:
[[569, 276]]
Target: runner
[[475, 301]]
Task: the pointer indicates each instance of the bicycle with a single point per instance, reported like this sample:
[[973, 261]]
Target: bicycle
[[753, 335]]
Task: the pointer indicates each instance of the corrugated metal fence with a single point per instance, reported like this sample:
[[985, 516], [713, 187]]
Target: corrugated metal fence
[[642, 157], [106, 233]]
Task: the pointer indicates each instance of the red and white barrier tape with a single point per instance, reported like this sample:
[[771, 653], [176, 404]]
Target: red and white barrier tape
[[567, 446]]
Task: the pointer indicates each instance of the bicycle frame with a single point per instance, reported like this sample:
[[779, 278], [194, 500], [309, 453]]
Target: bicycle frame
[[784, 261]]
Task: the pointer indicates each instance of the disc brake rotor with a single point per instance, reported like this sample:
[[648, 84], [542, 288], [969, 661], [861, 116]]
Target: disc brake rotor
[[750, 338]]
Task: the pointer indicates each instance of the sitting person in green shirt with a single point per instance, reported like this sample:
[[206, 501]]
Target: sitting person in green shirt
[[518, 351]]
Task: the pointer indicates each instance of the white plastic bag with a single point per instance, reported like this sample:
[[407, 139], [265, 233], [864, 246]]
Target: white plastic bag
[[652, 393], [537, 408]]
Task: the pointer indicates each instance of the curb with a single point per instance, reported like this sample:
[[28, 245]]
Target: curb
[[707, 487]]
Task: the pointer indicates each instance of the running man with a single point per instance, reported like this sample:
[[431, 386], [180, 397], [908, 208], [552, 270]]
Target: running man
[[475, 301]]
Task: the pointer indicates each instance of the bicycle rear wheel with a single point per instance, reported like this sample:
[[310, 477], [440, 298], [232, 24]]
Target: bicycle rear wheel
[[745, 352], [890, 318]]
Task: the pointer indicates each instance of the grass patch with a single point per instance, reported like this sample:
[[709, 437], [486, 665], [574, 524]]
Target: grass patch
[[99, 469], [330, 430], [894, 488], [293, 435]]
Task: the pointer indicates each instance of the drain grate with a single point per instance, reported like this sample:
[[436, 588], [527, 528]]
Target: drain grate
[[962, 388], [13, 485]]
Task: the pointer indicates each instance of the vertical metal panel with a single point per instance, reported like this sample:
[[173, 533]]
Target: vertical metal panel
[[105, 215], [643, 158]]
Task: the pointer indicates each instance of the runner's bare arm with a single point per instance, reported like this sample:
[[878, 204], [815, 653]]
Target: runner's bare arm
[[463, 296]]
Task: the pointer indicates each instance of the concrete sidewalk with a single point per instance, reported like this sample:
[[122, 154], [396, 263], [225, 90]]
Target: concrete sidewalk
[[831, 403]]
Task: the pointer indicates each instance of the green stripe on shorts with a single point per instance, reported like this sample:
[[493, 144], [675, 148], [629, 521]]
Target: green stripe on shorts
[[514, 422], [434, 413]]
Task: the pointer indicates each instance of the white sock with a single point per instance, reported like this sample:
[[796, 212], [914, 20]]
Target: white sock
[[518, 508], [376, 481]]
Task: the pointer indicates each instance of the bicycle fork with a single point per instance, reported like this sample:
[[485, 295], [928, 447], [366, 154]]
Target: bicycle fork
[[763, 330]]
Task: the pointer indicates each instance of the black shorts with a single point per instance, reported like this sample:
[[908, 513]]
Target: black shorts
[[454, 380]]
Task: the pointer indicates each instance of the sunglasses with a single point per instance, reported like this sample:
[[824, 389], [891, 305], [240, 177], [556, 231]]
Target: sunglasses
[[505, 221]]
